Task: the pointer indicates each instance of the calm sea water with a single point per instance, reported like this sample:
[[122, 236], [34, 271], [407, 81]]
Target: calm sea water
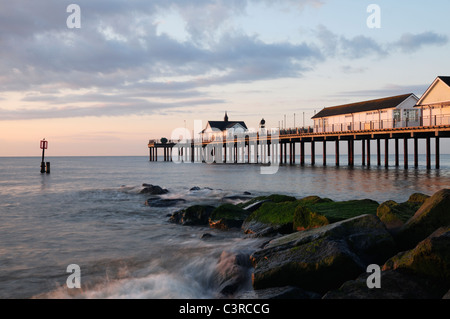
[[89, 212]]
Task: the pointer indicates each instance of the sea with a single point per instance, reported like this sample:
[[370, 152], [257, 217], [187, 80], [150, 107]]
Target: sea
[[89, 212]]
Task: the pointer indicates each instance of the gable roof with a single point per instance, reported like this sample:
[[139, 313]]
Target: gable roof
[[378, 104], [224, 125], [444, 79]]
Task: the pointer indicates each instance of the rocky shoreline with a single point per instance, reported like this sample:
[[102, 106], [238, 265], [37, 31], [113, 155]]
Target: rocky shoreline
[[317, 248]]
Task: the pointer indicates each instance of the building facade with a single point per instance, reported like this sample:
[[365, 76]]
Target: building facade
[[218, 130], [390, 112], [435, 103]]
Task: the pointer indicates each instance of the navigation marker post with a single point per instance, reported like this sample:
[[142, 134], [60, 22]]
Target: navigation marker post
[[44, 168]]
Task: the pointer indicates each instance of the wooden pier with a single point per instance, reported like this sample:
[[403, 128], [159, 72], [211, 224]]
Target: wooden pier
[[280, 148]]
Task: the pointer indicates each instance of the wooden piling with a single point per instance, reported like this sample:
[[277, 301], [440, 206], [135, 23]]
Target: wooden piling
[[336, 148], [438, 164], [405, 152], [386, 152], [363, 152], [416, 152]]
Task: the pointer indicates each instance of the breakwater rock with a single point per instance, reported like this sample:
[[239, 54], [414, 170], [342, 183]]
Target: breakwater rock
[[319, 248]]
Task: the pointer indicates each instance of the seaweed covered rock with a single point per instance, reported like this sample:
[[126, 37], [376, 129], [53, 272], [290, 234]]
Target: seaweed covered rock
[[418, 198], [301, 214], [419, 273], [430, 258], [227, 216], [394, 215], [271, 218], [197, 215], [305, 219], [394, 285], [323, 258], [433, 214]]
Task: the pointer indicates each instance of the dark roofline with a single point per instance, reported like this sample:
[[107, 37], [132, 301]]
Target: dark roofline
[[223, 125], [445, 79], [365, 106]]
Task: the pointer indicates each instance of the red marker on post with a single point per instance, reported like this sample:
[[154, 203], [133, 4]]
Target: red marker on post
[[44, 146]]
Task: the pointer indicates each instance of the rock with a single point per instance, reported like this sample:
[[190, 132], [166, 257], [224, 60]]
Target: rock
[[339, 211], [254, 206], [197, 215], [314, 200], [305, 219], [206, 236], [418, 198], [271, 218], [433, 214], [163, 202], [394, 215], [447, 295], [312, 211], [153, 190], [321, 259], [288, 292], [394, 285], [430, 258], [196, 188], [232, 198], [275, 198], [227, 216], [232, 272]]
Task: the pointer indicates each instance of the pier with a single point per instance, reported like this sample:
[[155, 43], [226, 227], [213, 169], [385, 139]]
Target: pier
[[280, 148]]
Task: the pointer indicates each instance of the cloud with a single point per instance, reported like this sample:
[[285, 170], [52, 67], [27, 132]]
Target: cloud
[[118, 63], [409, 42], [105, 108], [119, 57], [385, 91], [356, 47]]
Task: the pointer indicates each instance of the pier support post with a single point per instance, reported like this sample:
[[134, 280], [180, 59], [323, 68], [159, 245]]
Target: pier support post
[[378, 152], [285, 153], [324, 153], [302, 153], [368, 152], [290, 153], [438, 164], [386, 152], [293, 153], [416, 152], [397, 163], [350, 152], [363, 152], [281, 152], [336, 152], [313, 153], [405, 151], [428, 152]]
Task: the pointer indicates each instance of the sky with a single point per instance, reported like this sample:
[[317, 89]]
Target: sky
[[138, 70]]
